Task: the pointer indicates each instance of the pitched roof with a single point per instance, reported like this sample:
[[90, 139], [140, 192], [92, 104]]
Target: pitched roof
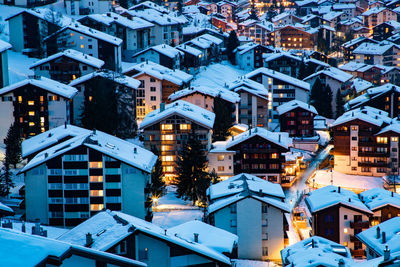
[[4, 46], [110, 75], [135, 23], [368, 114], [378, 197], [92, 33], [156, 17], [372, 93], [205, 90], [184, 109], [288, 106], [163, 49], [374, 10], [361, 85], [333, 73], [373, 49]]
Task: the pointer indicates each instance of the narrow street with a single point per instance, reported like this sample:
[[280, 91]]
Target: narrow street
[[294, 192]]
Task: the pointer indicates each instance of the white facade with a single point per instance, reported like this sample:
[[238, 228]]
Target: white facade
[[221, 162], [16, 27], [74, 7], [245, 61]]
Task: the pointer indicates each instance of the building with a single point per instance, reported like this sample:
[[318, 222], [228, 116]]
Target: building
[[249, 56], [157, 83], [297, 118], [193, 58], [377, 15], [189, 244], [349, 46], [4, 77], [338, 214], [260, 152], [257, 31], [36, 105], [164, 55], [135, 32], [66, 66], [86, 7], [73, 180], [318, 250], [285, 18], [254, 210], [384, 53], [254, 102], [32, 250], [220, 160], [283, 62], [209, 45], [385, 30], [290, 37], [370, 73], [168, 128]]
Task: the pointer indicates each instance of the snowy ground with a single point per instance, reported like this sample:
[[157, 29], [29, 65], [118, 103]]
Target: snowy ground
[[18, 66], [250, 263], [324, 137], [172, 211], [217, 75], [5, 12]]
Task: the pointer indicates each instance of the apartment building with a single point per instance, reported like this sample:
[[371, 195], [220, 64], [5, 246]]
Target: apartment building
[[85, 7], [339, 215], [220, 160], [383, 53], [73, 180], [255, 30], [283, 62], [377, 15], [163, 54], [66, 66], [290, 37], [249, 56], [157, 83], [4, 77], [254, 210], [349, 46], [167, 129]]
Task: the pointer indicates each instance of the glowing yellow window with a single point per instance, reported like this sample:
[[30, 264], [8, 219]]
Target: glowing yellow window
[[345, 230], [19, 99], [168, 168], [96, 179], [41, 98], [31, 123], [184, 126], [96, 207], [166, 148], [98, 164], [82, 46], [381, 140], [280, 86], [167, 137], [395, 139], [274, 155], [90, 98], [73, 76], [280, 95], [96, 193], [31, 113], [81, 37], [31, 103], [167, 158], [166, 127], [42, 130], [221, 157], [41, 119]]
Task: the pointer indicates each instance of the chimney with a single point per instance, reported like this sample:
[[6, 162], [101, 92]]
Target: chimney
[[386, 254], [46, 155], [108, 14], [339, 189], [89, 240], [349, 199], [341, 263], [147, 61], [312, 243], [378, 232], [233, 137], [94, 131], [260, 191], [23, 227], [162, 107], [383, 237], [165, 231], [279, 137], [135, 150], [65, 125], [196, 237], [392, 194], [36, 227]]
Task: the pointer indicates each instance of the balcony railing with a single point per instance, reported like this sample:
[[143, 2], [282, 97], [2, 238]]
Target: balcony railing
[[373, 164], [357, 253], [362, 225]]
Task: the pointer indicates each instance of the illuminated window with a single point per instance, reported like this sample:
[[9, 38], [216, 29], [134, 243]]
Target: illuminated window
[[31, 113], [82, 46], [42, 119], [166, 127], [19, 99], [221, 157], [167, 137], [168, 168], [41, 98], [21, 120], [73, 77], [345, 230], [280, 95], [90, 98], [166, 148], [274, 155], [167, 158], [96, 193], [72, 34], [345, 244], [280, 86], [98, 164], [269, 81], [184, 126], [381, 140], [394, 139], [31, 123], [96, 179], [42, 130], [81, 37], [31, 103], [96, 206]]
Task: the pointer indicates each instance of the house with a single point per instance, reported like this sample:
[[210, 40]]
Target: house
[[385, 30], [391, 74], [88, 41], [283, 88], [348, 10], [135, 32], [377, 15], [244, 200], [318, 250], [337, 214], [73, 180], [260, 152], [250, 56], [254, 102], [257, 31], [21, 249], [124, 86], [285, 18], [381, 238], [290, 37], [220, 160], [369, 73], [66, 66], [349, 46], [359, 86], [384, 53], [36, 105], [189, 244], [162, 54], [358, 148], [73, 7], [157, 83], [4, 77], [227, 8], [168, 128], [209, 45], [283, 62], [193, 58]]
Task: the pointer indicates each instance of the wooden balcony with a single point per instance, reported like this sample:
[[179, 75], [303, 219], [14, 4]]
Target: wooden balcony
[[362, 225], [357, 253]]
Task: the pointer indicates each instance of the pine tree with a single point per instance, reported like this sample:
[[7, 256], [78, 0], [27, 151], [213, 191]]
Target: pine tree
[[6, 182], [316, 95], [232, 44], [124, 3], [253, 12], [339, 104], [13, 145], [214, 177], [192, 179], [179, 7], [157, 181], [327, 102], [223, 118], [302, 70]]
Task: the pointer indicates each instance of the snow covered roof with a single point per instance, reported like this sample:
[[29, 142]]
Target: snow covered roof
[[378, 197], [330, 195], [133, 23], [92, 33], [340, 6], [360, 85], [182, 108], [331, 15], [189, 49], [44, 83], [4, 209], [288, 106], [110, 75], [279, 138], [160, 72], [394, 127], [220, 147], [317, 62], [372, 240], [322, 123], [372, 93], [373, 49], [200, 42], [394, 24], [374, 10], [247, 84], [4, 46], [213, 39], [352, 66], [246, 47], [317, 251], [73, 54], [367, 114], [150, 5], [272, 56], [163, 49], [109, 145], [110, 227], [205, 90], [156, 17], [281, 16], [280, 76], [333, 73], [50, 137], [22, 249], [47, 15]]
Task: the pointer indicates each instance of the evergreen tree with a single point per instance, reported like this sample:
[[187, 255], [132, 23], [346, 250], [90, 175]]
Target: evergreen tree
[[179, 7], [6, 182], [13, 145], [316, 95], [124, 3], [157, 181], [339, 104], [214, 177], [253, 12], [327, 102], [223, 118], [302, 70], [192, 179], [232, 44]]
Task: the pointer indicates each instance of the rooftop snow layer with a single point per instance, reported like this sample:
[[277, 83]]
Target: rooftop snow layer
[[378, 197], [372, 93], [210, 91], [288, 106], [189, 49], [280, 76], [361, 85], [163, 49], [367, 114], [374, 10], [108, 74], [156, 17], [333, 73], [373, 49], [4, 46], [93, 33], [135, 23], [44, 83], [185, 109]]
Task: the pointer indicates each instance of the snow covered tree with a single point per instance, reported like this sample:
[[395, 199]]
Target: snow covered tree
[[157, 178], [192, 179], [223, 118], [232, 44], [13, 145], [126, 126], [339, 104], [6, 182]]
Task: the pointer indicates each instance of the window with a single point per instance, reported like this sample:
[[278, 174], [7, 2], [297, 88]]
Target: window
[[381, 140], [152, 89], [167, 148], [221, 157], [141, 84], [96, 207], [233, 208], [274, 155], [165, 127], [96, 193], [143, 254], [153, 98], [31, 123], [264, 208], [354, 168], [354, 138], [395, 139], [85, 67], [152, 80], [31, 113], [167, 158], [265, 251], [31, 103], [167, 137], [274, 166], [353, 148], [96, 179], [96, 165], [233, 223], [265, 236], [184, 126], [345, 217], [221, 168]]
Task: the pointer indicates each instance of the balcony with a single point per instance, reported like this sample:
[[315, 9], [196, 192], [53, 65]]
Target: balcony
[[362, 225], [373, 164], [357, 253], [353, 238]]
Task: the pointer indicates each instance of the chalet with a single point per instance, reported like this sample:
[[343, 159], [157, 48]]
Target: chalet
[[168, 128], [73, 180], [209, 45], [4, 77], [193, 58], [244, 200], [378, 15], [86, 7], [36, 105], [349, 46], [385, 30], [285, 18], [283, 62], [220, 160], [66, 66], [163, 54], [290, 37], [250, 56], [348, 10], [257, 31], [191, 32], [370, 73]]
